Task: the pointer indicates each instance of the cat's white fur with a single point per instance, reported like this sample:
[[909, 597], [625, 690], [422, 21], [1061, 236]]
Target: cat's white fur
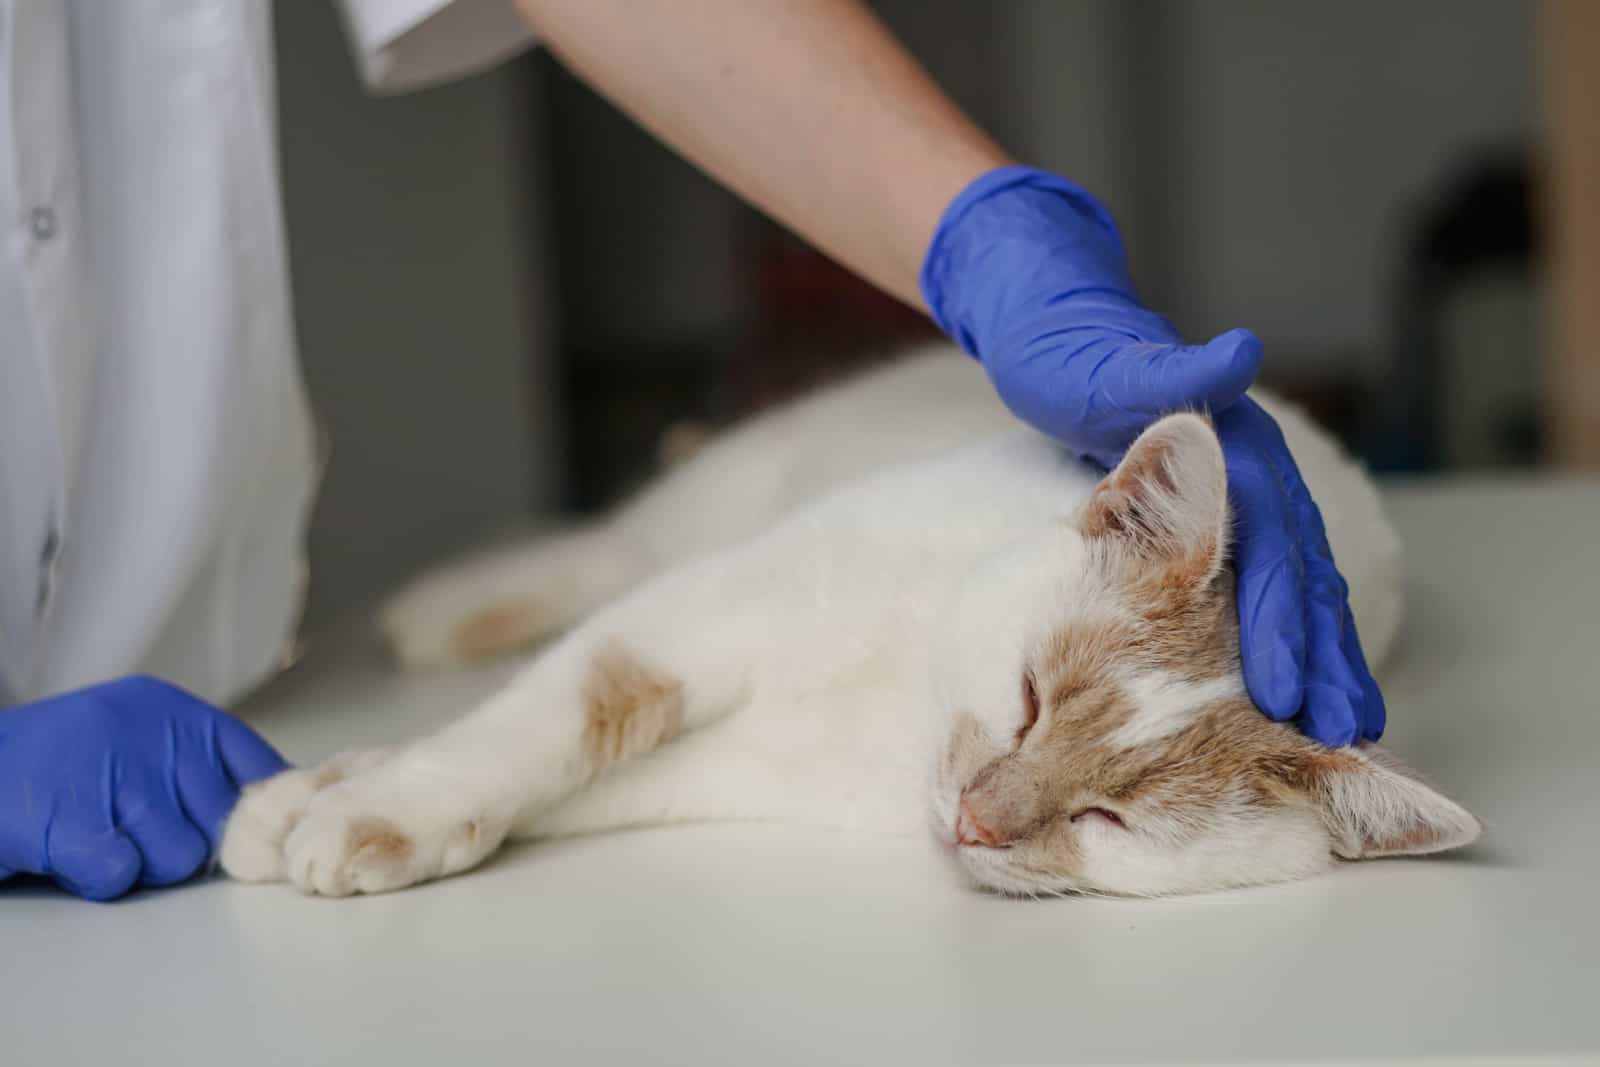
[[801, 621]]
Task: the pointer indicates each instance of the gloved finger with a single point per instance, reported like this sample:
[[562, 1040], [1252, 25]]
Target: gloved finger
[[1370, 712], [1375, 713], [23, 839], [20, 852], [208, 794], [93, 862], [246, 756], [171, 847], [1335, 700], [1270, 576], [1155, 380]]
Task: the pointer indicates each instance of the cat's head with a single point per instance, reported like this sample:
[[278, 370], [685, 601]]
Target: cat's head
[[1094, 730]]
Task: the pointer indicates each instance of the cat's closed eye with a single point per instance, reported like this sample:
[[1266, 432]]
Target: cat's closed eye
[[1030, 706], [1105, 816]]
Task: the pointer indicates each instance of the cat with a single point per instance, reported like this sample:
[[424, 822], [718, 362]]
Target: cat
[[887, 607]]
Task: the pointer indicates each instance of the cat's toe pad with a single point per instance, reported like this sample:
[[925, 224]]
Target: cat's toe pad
[[335, 854], [252, 844], [372, 835], [269, 810]]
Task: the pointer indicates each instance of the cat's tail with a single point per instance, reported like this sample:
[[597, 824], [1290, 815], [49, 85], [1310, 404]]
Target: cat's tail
[[507, 599]]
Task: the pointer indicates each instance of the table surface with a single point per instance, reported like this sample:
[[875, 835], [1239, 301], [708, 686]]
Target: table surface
[[761, 944]]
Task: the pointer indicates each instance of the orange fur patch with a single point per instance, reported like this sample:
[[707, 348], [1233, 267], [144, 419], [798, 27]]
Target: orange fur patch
[[346, 764], [1230, 751], [378, 839], [629, 707], [330, 773], [497, 630]]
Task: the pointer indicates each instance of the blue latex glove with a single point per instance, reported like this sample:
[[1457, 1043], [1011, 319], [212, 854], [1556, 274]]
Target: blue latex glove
[[121, 784], [1027, 272]]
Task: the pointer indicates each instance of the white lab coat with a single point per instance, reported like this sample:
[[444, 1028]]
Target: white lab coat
[[157, 463]]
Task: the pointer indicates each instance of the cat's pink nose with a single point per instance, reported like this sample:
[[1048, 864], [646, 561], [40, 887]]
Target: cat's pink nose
[[969, 831]]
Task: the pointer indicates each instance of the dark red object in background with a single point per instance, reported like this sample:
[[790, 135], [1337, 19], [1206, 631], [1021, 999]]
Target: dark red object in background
[[811, 321]]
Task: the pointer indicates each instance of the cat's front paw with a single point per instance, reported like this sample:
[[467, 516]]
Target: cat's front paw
[[386, 830], [268, 810]]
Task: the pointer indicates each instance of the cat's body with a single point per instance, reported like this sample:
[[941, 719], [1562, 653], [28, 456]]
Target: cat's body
[[842, 614]]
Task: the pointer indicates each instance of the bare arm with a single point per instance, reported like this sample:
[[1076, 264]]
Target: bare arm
[[809, 109]]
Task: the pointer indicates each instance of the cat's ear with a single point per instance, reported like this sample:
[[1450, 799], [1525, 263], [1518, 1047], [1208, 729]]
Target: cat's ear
[[1167, 501], [1373, 805]]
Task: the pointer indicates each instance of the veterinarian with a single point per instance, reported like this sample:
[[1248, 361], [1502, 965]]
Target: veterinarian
[[156, 456]]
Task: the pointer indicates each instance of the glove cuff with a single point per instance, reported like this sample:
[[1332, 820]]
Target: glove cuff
[[984, 259]]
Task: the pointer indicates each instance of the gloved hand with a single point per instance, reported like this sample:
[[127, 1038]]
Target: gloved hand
[[1027, 272], [124, 783]]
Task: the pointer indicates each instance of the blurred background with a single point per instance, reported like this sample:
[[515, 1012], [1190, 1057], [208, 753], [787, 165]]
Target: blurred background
[[509, 297]]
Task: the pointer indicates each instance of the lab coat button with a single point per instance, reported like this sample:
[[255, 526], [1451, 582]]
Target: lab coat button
[[42, 221]]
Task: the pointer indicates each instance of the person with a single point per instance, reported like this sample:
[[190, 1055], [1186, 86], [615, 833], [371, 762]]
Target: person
[[156, 457]]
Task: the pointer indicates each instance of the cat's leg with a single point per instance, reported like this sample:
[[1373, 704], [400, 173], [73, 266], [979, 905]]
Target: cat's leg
[[669, 657], [505, 600]]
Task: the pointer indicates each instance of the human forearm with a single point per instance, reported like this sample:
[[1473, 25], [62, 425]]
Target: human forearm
[[808, 108]]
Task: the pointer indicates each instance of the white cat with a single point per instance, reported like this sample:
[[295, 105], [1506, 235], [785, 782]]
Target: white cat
[[886, 607]]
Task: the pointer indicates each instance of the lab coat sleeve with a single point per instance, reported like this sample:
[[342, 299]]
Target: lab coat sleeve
[[402, 45]]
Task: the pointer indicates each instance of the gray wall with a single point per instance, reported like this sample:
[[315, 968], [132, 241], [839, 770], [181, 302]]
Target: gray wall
[[421, 309], [1305, 130]]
